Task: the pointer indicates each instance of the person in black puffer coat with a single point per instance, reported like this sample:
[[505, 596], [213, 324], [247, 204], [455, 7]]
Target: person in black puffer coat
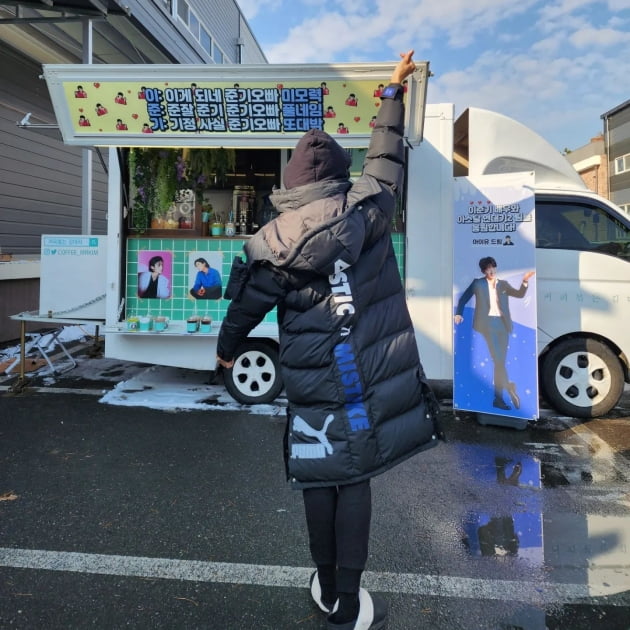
[[359, 402]]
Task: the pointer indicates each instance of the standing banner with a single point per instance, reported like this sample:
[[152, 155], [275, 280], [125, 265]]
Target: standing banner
[[494, 296]]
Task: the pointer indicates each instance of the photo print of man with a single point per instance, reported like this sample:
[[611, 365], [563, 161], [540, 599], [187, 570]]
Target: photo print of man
[[204, 272], [155, 270]]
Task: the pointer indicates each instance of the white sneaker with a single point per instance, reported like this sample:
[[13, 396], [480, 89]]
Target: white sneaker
[[372, 614], [316, 594]]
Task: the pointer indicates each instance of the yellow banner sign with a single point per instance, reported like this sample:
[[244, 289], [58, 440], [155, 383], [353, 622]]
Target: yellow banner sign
[[338, 107]]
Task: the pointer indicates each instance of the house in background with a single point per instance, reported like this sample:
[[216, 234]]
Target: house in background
[[617, 141], [50, 188], [591, 163], [604, 163]]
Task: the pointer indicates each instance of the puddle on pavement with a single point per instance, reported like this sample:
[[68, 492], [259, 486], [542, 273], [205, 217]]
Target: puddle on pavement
[[496, 529], [587, 553]]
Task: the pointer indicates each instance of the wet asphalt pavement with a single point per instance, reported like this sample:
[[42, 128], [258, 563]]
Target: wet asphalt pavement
[[128, 517]]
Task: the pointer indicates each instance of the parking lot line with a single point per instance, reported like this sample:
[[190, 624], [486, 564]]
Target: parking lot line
[[536, 593]]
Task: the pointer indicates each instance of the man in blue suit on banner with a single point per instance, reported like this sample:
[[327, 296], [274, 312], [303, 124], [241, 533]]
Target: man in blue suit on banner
[[493, 320]]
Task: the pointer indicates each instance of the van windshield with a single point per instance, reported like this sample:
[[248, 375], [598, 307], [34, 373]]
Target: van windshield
[[582, 227]]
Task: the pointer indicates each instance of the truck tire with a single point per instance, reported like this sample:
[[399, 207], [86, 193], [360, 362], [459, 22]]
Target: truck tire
[[255, 377], [581, 378]]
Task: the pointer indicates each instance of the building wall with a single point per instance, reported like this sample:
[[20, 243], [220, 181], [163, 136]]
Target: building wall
[[40, 176], [617, 128], [595, 178], [221, 18], [16, 296], [590, 162]]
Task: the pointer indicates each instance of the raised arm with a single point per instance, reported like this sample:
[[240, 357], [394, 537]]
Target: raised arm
[[385, 156]]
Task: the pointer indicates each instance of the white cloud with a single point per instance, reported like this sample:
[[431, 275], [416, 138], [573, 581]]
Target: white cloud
[[546, 47], [252, 8], [540, 61], [322, 39], [355, 28], [560, 97], [587, 37], [563, 8]]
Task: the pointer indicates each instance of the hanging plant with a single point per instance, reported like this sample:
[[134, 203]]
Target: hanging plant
[[154, 177], [141, 189], [208, 167], [165, 181]]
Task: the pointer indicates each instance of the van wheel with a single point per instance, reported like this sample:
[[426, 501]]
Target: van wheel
[[581, 378], [255, 377]]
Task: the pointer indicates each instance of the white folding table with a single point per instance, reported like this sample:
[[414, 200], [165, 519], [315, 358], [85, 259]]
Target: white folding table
[[43, 340]]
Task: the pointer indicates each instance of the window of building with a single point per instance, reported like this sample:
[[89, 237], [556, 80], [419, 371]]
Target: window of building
[[199, 32], [182, 11], [205, 40], [193, 24], [622, 164]]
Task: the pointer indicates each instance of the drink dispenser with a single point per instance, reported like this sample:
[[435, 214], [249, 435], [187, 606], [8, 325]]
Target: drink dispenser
[[243, 205]]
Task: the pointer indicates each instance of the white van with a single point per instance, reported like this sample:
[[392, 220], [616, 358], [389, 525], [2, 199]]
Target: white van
[[582, 257]]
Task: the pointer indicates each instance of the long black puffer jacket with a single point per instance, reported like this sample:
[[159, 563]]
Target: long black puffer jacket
[[358, 399]]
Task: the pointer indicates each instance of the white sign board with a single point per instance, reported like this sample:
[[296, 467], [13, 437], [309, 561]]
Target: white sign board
[[73, 276]]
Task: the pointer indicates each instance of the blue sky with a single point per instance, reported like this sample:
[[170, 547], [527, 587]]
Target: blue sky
[[554, 65]]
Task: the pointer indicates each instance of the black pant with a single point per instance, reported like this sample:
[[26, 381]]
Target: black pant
[[497, 339], [338, 520], [208, 293]]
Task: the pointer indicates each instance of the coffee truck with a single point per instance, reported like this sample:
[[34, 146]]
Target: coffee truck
[[195, 151]]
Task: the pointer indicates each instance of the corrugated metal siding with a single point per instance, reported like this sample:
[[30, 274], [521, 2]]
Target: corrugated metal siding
[[153, 18], [40, 178], [225, 23], [221, 19], [251, 49]]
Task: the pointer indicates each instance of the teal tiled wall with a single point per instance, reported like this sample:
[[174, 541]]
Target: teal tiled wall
[[181, 305], [398, 240]]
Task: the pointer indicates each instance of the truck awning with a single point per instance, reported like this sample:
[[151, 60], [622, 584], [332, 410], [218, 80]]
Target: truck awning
[[228, 105]]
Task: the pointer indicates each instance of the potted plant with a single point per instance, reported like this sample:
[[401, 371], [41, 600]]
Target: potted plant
[[206, 213], [217, 227]]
